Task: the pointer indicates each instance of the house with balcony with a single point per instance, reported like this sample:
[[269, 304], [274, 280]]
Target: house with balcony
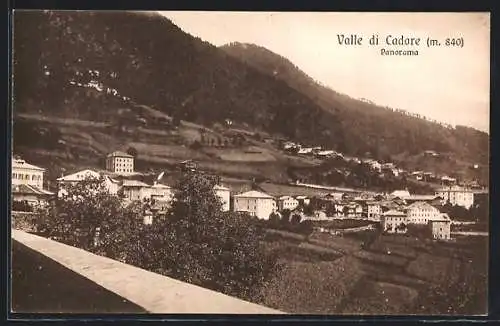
[[24, 173], [27, 183]]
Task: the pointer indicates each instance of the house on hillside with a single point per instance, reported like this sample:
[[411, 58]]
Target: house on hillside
[[457, 195], [120, 162], [224, 194], [394, 221], [441, 227], [448, 181], [421, 213], [335, 196], [255, 203], [287, 202], [305, 151]]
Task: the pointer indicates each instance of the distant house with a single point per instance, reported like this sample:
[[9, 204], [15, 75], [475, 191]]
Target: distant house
[[305, 151], [135, 190], [446, 180], [431, 199], [394, 221], [457, 195], [255, 203], [431, 153], [352, 210], [161, 193], [441, 227], [303, 200], [224, 194], [287, 202], [372, 210], [120, 162], [421, 213], [334, 196], [403, 194]]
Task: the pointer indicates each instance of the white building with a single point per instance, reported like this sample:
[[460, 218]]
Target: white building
[[394, 221], [372, 210], [422, 213], [161, 192], [224, 194], [303, 200], [132, 190], [255, 203], [457, 195], [71, 179], [287, 202], [120, 162], [403, 194], [24, 173], [441, 227]]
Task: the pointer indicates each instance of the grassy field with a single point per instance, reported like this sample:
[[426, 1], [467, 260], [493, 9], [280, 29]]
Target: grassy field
[[394, 275]]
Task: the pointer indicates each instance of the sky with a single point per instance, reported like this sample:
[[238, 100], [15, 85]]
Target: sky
[[448, 84]]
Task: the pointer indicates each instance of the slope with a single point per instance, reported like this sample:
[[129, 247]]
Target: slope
[[386, 130]]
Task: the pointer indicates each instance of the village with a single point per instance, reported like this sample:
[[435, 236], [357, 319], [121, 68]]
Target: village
[[394, 211]]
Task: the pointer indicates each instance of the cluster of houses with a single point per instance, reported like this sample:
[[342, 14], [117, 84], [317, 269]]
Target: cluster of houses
[[376, 166], [394, 211]]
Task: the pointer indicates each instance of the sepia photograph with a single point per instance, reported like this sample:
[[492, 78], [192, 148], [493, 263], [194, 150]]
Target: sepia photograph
[[267, 163]]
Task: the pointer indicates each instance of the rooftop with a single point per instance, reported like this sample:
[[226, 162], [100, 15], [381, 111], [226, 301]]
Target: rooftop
[[119, 154], [21, 164], [254, 194]]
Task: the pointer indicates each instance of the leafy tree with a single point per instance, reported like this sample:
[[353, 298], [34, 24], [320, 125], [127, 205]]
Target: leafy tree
[[296, 218], [285, 216], [89, 217], [206, 246]]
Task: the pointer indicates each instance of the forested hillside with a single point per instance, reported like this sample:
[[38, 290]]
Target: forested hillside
[[387, 130], [136, 58]]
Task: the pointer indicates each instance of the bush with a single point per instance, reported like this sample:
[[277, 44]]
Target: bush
[[21, 206]]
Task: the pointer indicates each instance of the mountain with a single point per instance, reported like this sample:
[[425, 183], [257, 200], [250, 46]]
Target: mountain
[[98, 67], [152, 62], [389, 131]]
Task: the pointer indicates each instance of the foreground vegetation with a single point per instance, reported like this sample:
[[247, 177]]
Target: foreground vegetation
[[195, 241]]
